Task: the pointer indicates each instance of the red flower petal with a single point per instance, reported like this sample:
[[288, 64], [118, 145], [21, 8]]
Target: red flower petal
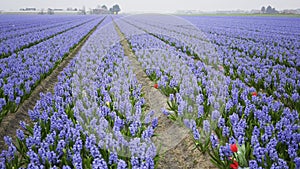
[[254, 93], [155, 86], [234, 165], [233, 148]]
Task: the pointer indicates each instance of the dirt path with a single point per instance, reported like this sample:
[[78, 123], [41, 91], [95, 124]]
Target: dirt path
[[10, 122], [175, 141]]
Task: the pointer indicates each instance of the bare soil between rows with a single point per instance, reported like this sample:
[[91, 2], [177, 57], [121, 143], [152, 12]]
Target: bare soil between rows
[[181, 156]]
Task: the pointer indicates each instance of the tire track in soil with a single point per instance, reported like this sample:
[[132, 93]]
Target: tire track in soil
[[10, 122], [177, 146]]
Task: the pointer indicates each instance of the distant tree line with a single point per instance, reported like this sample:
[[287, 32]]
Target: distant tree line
[[269, 10], [115, 9], [104, 10]]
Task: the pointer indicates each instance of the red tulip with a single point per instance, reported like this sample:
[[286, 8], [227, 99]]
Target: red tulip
[[233, 148], [254, 93], [155, 86], [234, 165]]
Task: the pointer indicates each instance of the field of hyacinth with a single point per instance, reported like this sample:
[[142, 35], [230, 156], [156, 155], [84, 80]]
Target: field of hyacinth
[[28, 55], [233, 82]]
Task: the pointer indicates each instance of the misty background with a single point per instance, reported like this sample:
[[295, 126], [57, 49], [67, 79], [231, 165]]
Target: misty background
[[157, 6]]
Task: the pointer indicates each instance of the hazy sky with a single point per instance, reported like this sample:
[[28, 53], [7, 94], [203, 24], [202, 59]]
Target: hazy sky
[[153, 5]]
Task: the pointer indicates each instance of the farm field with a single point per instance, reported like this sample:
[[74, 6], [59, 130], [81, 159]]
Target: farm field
[[149, 91]]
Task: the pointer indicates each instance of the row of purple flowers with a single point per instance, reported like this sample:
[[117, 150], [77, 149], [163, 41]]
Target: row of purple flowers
[[20, 39], [262, 127], [96, 117], [22, 71]]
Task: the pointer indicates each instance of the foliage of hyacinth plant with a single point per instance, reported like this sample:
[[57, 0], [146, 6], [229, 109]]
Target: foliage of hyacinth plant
[[267, 113], [22, 71], [185, 94], [89, 125], [250, 118], [266, 62]]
